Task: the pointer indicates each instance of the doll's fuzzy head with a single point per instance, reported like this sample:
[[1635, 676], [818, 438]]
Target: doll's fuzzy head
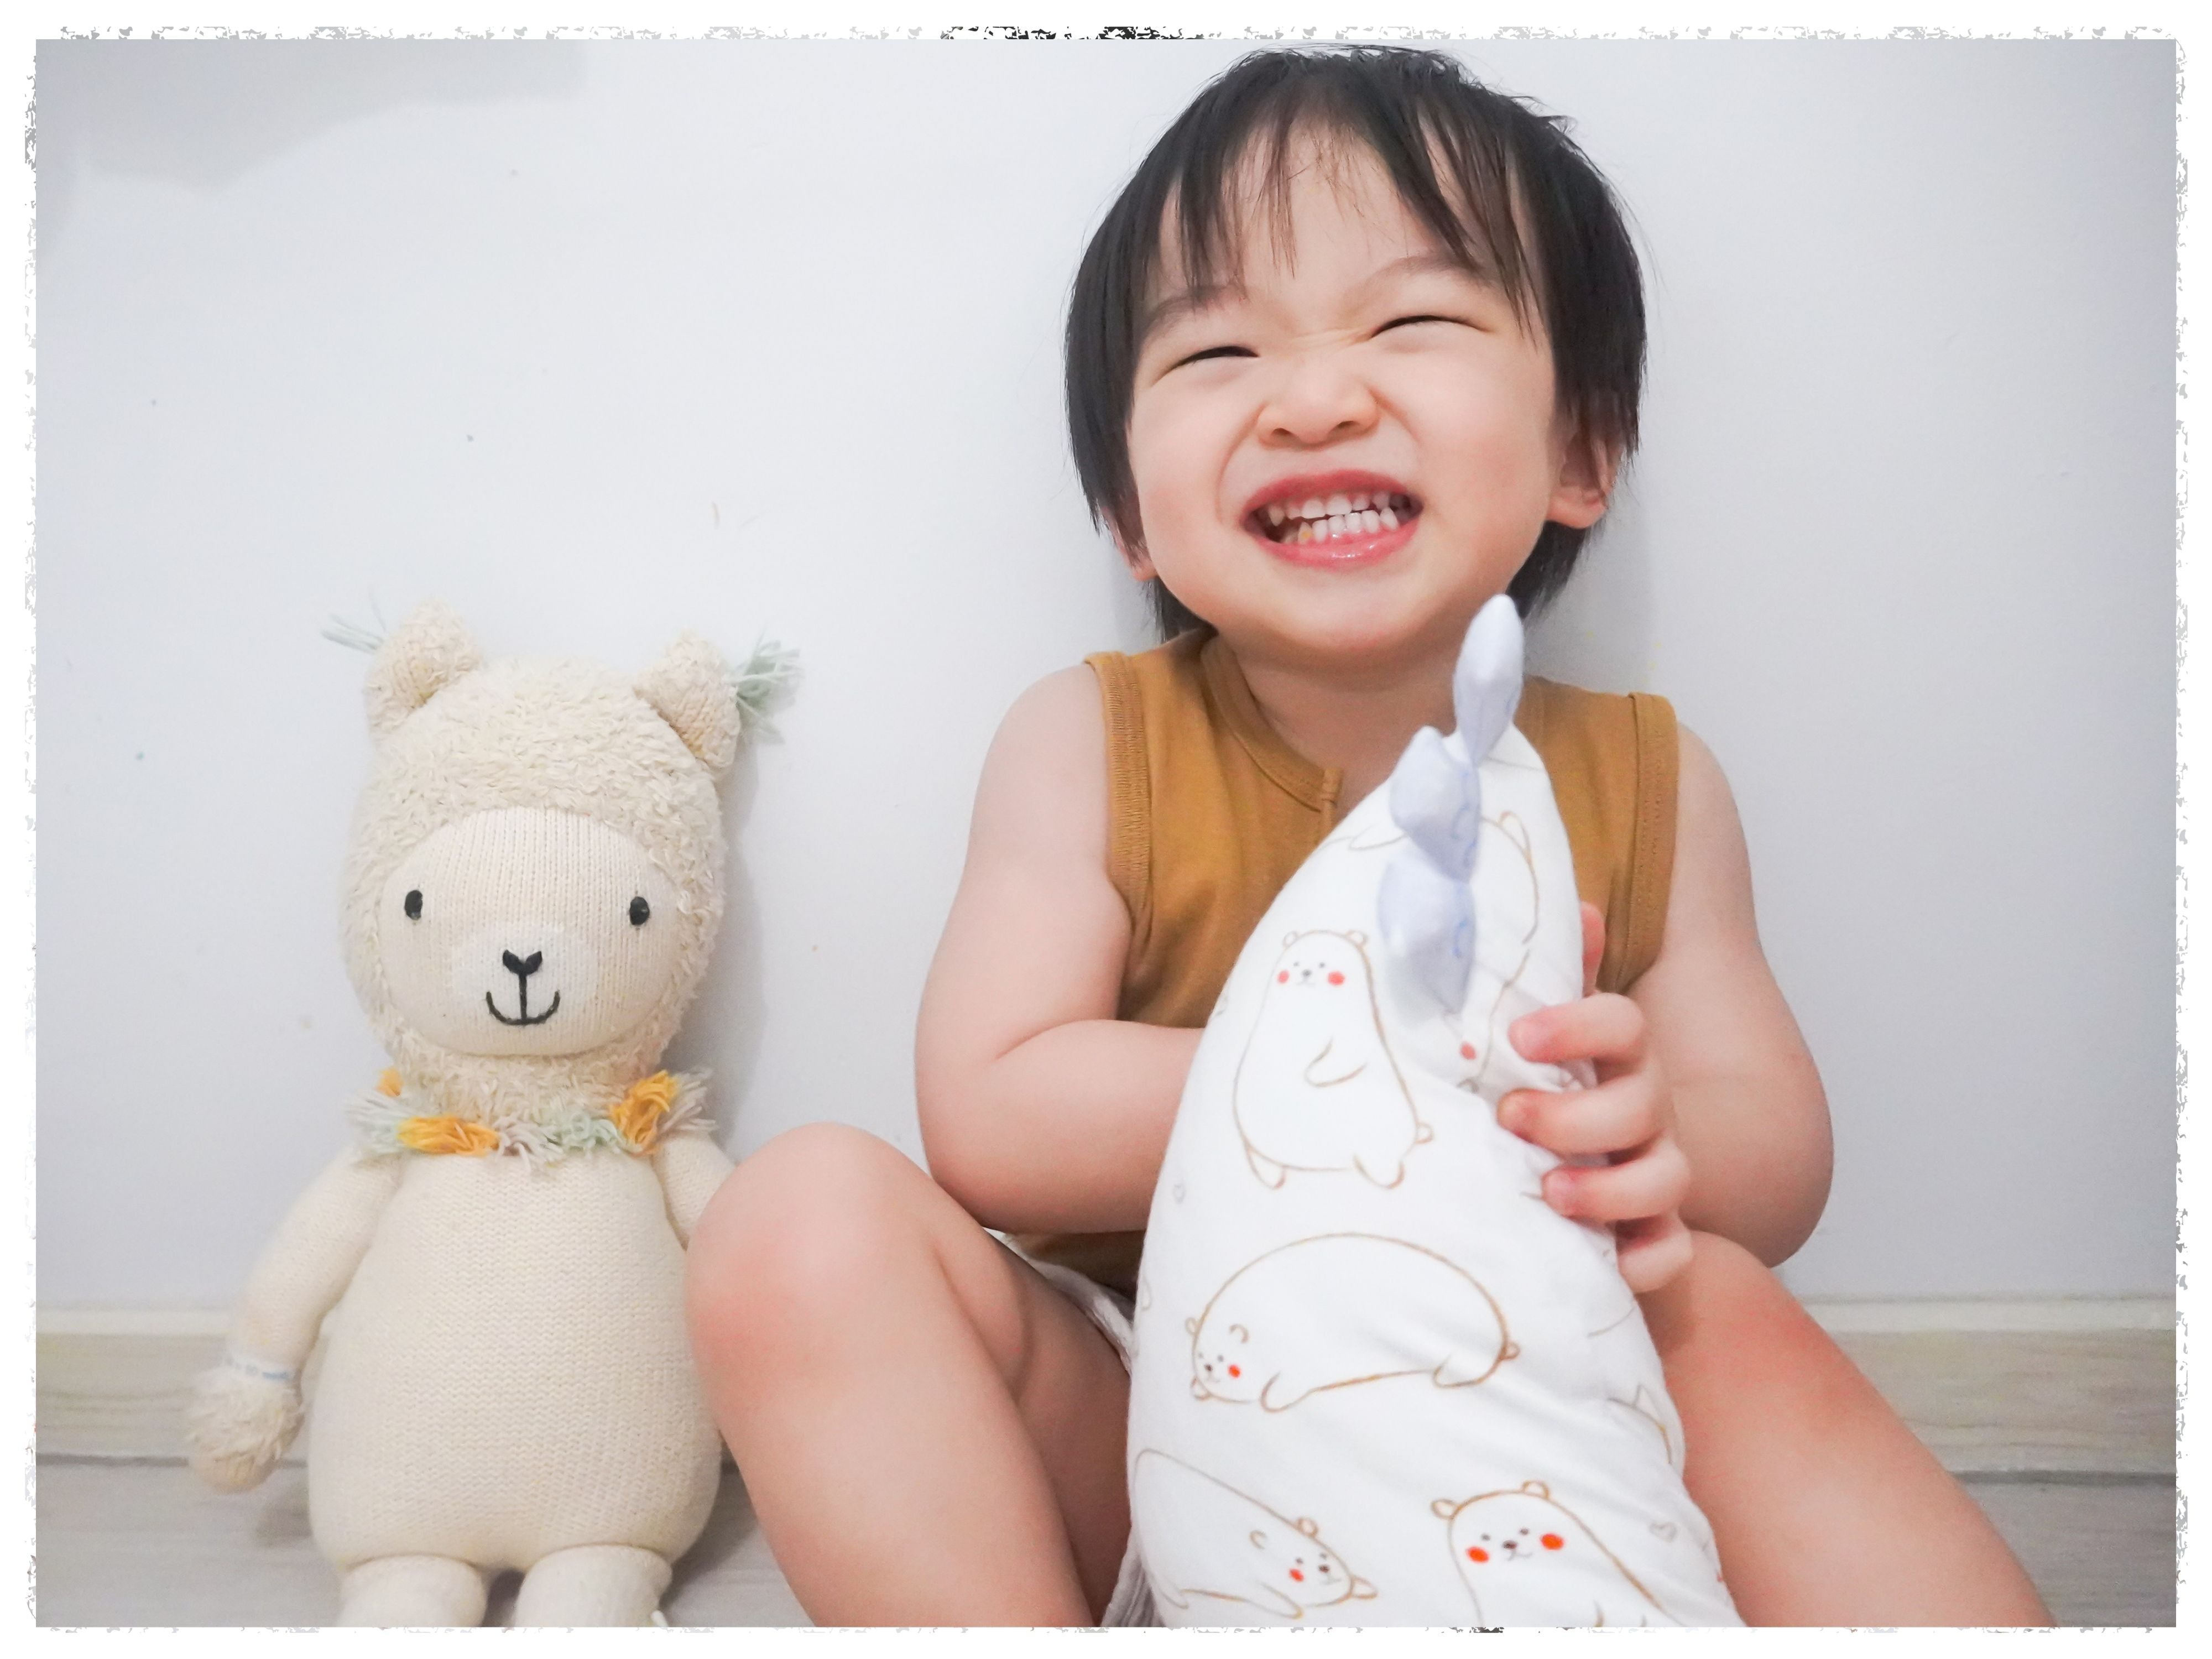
[[537, 870]]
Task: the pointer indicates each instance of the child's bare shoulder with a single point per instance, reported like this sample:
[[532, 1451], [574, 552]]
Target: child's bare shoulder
[[1043, 787], [1711, 891]]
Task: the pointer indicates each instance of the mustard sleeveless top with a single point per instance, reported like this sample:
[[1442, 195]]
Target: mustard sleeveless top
[[1210, 813]]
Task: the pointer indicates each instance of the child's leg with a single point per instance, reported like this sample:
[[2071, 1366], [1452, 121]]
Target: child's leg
[[1826, 1509], [930, 1433]]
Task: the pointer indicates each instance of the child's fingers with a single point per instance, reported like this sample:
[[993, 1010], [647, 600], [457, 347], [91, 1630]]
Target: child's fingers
[[1652, 1251], [1593, 945], [1607, 1028], [1651, 1184], [1611, 1118]]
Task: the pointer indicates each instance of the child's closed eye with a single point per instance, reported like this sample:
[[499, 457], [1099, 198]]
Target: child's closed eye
[[1212, 351], [1409, 322]]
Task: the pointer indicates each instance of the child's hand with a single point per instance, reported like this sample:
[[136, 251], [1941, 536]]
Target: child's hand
[[1628, 1118]]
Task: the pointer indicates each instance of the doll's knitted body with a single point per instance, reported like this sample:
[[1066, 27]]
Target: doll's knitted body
[[532, 891], [508, 1374], [1378, 1380]]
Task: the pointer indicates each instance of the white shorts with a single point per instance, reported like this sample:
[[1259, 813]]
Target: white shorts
[[1132, 1601]]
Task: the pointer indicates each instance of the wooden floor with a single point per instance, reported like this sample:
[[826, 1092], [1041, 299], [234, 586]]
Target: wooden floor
[[2065, 1438]]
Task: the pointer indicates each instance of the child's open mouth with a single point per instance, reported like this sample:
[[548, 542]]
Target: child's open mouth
[[1338, 519]]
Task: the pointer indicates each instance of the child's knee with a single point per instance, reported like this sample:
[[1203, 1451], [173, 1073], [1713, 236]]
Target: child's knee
[[1727, 1329], [797, 1236], [1727, 1299]]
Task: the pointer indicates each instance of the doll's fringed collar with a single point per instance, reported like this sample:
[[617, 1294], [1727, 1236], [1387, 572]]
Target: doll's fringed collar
[[387, 1123]]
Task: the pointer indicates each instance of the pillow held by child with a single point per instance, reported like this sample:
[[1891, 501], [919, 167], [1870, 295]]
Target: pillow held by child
[[1378, 1380]]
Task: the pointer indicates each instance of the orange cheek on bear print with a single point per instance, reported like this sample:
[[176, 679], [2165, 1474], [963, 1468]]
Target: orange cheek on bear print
[[1551, 1540]]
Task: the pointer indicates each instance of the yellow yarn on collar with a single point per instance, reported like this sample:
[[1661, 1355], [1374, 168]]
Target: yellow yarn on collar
[[446, 1134], [638, 1114], [651, 1107]]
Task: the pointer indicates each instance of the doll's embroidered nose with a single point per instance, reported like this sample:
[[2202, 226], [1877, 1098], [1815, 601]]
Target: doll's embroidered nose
[[522, 967]]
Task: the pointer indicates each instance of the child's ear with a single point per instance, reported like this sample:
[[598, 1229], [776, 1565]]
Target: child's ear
[[1588, 470], [427, 652], [690, 688]]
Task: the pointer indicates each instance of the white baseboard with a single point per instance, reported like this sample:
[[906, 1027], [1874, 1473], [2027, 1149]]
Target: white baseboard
[[1840, 1314], [1836, 1315], [133, 1322], [2078, 1389]]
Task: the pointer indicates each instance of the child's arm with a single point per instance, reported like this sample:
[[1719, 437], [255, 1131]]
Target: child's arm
[[245, 1412], [1040, 1110], [1750, 1109], [1703, 1058]]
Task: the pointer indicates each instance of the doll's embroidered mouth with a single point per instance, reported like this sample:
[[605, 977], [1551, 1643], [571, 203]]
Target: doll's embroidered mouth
[[1339, 515], [524, 1018]]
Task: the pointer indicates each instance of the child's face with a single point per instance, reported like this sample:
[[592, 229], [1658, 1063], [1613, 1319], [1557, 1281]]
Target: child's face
[[1363, 366]]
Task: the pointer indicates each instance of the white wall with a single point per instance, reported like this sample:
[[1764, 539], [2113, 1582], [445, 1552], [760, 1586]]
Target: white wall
[[600, 341]]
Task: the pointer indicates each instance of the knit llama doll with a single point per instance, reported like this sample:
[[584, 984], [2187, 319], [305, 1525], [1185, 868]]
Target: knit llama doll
[[532, 890], [1378, 1380]]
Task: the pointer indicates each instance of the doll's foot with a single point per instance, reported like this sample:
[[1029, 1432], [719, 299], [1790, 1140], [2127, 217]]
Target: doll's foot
[[593, 1584], [412, 1589]]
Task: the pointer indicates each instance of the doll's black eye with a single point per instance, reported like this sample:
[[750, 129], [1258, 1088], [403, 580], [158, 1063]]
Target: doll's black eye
[[639, 910], [413, 906]]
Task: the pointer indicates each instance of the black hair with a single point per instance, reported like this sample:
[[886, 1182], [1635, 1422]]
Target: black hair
[[1474, 166]]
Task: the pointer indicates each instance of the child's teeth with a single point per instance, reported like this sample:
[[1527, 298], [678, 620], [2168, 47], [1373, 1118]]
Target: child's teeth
[[1313, 509], [1389, 519], [1371, 521], [1274, 512], [1305, 531], [1337, 523], [1338, 506], [1359, 500]]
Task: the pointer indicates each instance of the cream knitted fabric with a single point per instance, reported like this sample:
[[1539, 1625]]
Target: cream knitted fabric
[[1377, 1380], [533, 886]]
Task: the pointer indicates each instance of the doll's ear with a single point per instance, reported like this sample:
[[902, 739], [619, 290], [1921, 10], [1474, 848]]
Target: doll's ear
[[1536, 1489], [423, 655], [1443, 1508], [690, 688]]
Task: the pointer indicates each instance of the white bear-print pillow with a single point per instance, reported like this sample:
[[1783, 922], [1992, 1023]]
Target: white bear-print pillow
[[1378, 1380]]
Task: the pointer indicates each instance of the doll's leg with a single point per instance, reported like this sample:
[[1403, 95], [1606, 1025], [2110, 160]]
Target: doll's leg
[[593, 1585], [1826, 1509], [929, 1432], [400, 1590]]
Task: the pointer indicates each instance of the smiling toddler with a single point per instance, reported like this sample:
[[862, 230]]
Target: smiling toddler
[[1358, 349]]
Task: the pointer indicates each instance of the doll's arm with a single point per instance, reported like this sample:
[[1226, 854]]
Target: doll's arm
[[245, 1412], [690, 1167]]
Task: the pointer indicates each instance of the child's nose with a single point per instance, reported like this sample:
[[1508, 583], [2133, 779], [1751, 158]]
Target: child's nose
[[1318, 401]]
